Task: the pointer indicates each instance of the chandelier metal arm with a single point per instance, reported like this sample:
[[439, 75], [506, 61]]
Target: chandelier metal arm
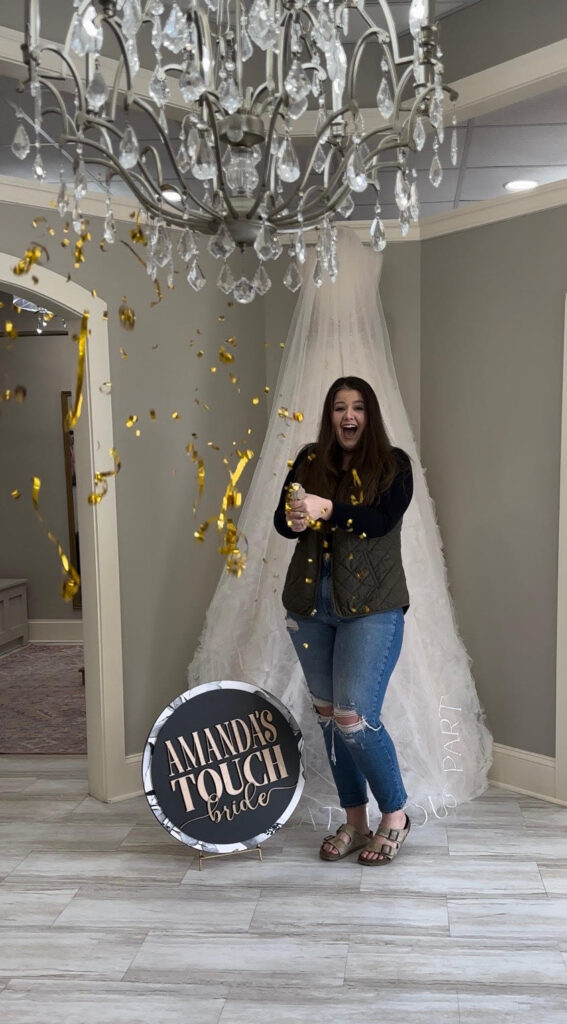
[[123, 67], [357, 56], [72, 71], [61, 108], [267, 158], [220, 170], [284, 48]]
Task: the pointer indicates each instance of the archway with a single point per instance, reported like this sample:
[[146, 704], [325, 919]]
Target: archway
[[110, 774]]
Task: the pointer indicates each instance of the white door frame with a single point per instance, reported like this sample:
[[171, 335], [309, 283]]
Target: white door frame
[[111, 774], [561, 699]]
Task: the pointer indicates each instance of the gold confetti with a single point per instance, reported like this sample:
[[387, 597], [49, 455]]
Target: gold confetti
[[233, 378], [213, 369], [37, 221], [51, 231], [221, 318], [224, 356], [16, 494], [306, 645], [105, 315], [231, 340], [81, 339], [65, 242], [282, 344], [215, 447], [266, 390], [127, 315], [153, 415], [138, 433], [207, 407], [101, 480], [283, 412], [71, 580], [9, 330], [131, 421], [123, 353], [308, 579], [298, 416], [176, 415], [20, 393], [290, 463], [93, 293], [255, 400], [200, 353]]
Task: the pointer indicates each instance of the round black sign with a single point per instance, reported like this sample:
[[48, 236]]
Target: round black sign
[[223, 766]]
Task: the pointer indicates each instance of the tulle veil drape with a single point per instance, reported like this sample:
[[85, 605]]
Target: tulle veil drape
[[431, 708]]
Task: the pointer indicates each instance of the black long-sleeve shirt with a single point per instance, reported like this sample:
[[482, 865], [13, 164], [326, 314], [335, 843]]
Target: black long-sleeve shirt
[[373, 520]]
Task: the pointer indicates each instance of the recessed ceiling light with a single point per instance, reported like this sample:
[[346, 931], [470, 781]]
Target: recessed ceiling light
[[171, 194], [520, 185]]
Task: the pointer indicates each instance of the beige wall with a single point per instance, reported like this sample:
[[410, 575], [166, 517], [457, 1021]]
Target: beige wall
[[491, 372], [167, 578]]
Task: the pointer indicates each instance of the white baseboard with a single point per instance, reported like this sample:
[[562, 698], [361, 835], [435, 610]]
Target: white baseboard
[[131, 783], [524, 772], [514, 769], [56, 631]]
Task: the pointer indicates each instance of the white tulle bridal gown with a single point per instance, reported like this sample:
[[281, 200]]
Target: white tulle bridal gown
[[431, 709]]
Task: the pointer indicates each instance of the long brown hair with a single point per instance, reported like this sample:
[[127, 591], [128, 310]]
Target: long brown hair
[[373, 460]]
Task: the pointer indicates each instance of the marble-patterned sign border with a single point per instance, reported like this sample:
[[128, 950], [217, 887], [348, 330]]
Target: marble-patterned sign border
[[147, 760]]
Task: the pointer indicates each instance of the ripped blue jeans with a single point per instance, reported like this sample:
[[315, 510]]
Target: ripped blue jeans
[[347, 664]]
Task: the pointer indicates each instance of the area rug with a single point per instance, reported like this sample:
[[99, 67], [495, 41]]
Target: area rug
[[42, 700]]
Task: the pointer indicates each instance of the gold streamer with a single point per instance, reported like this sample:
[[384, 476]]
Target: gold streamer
[[197, 459], [79, 256], [357, 483], [71, 581], [32, 255], [81, 339], [235, 558], [101, 479], [136, 233]]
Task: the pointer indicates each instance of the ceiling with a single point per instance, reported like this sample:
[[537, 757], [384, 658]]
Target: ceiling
[[525, 140]]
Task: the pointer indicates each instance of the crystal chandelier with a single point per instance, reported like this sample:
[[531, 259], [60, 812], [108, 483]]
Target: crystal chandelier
[[245, 72]]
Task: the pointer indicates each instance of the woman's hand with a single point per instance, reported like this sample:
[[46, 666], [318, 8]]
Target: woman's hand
[[308, 509]]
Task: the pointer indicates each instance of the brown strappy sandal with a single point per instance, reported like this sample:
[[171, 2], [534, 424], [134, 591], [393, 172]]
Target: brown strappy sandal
[[395, 835], [357, 839]]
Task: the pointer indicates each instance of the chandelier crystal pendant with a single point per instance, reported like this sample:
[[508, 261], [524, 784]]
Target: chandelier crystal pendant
[[273, 127]]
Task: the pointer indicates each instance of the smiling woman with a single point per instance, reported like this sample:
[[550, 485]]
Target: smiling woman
[[346, 596]]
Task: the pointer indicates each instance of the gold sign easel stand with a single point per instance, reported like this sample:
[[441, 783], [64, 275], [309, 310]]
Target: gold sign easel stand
[[234, 853]]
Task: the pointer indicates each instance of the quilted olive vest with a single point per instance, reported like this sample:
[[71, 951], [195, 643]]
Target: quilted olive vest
[[367, 573]]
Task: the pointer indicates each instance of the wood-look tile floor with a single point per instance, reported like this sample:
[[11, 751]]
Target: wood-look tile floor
[[104, 919]]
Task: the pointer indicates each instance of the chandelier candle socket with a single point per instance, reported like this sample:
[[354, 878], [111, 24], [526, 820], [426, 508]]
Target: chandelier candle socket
[[215, 142]]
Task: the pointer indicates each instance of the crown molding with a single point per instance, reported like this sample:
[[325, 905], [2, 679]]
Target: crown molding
[[21, 192], [491, 211]]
